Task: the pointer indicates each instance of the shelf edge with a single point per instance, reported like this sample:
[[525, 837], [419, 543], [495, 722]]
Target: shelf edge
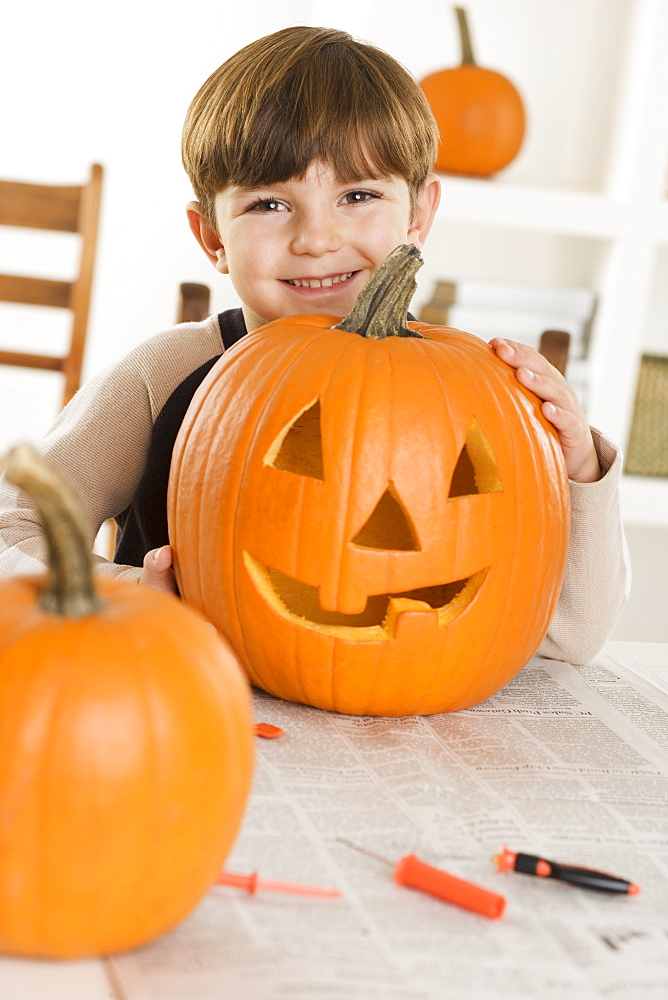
[[513, 206]]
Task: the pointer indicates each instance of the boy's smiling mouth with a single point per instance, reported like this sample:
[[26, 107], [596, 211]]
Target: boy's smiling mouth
[[334, 279]]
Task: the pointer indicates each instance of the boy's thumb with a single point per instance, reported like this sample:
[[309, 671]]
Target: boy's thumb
[[157, 571]]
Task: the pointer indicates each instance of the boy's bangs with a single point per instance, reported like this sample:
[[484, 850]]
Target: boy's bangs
[[335, 106], [355, 153]]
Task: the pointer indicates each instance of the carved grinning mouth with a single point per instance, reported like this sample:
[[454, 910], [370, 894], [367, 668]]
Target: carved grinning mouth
[[299, 603]]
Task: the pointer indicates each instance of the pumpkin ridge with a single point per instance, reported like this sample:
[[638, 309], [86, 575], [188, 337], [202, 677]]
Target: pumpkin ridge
[[181, 446], [190, 422], [45, 770], [366, 377], [425, 349], [485, 384], [523, 403], [149, 867], [461, 345], [288, 364], [349, 352]]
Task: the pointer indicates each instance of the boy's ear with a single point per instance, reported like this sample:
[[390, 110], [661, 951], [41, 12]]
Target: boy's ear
[[206, 236], [427, 203]]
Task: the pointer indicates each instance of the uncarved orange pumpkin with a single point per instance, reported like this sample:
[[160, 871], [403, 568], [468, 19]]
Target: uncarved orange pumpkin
[[125, 750], [479, 112], [376, 516]]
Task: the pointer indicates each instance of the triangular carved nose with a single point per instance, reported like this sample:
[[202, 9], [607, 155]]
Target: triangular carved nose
[[389, 526]]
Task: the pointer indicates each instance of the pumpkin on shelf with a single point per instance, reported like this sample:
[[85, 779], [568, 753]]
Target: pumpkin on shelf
[[479, 112], [125, 747], [374, 513]]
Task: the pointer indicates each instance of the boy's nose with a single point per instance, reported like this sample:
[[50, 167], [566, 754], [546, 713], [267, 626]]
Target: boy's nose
[[316, 234]]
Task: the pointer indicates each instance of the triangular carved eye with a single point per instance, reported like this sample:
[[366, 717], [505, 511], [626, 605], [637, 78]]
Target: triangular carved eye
[[298, 448], [389, 526], [476, 470]]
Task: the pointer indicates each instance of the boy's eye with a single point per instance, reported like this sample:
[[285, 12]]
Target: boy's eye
[[357, 197], [267, 205]]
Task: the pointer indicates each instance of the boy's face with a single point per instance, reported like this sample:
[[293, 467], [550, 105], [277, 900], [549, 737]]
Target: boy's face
[[310, 244]]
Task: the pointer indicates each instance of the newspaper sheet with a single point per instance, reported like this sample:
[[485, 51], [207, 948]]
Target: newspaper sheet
[[571, 764]]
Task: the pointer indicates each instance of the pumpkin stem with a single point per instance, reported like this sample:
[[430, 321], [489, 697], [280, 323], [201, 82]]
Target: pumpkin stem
[[465, 37], [69, 588], [381, 307]]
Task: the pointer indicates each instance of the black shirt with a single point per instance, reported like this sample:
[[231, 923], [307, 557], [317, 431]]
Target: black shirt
[[143, 525]]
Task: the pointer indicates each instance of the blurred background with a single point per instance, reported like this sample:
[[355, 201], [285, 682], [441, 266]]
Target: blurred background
[[582, 205]]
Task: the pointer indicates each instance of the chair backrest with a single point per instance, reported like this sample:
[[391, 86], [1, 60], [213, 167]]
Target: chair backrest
[[555, 345], [68, 209], [193, 304]]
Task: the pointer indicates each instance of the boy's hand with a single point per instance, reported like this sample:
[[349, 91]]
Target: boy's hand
[[158, 572], [561, 407]]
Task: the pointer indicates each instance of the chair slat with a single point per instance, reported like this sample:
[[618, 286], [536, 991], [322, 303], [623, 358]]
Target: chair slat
[[555, 346], [89, 210], [35, 291], [20, 360], [193, 304], [39, 206]]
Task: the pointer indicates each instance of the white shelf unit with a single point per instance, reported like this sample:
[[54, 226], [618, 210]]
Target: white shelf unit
[[626, 222]]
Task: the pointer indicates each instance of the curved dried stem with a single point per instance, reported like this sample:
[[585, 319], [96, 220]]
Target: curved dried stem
[[381, 308], [70, 588]]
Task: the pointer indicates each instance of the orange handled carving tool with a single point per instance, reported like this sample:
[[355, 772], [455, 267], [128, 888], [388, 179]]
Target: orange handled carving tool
[[252, 883], [267, 731], [416, 874]]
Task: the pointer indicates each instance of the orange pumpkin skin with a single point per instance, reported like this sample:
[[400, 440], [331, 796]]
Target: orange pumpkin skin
[[125, 765], [480, 115], [249, 531]]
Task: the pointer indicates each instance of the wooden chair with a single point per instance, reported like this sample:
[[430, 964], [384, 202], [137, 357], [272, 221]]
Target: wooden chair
[[68, 209], [193, 304], [555, 345]]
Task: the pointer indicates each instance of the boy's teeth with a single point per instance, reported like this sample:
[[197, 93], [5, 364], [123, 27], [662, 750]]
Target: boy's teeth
[[316, 283]]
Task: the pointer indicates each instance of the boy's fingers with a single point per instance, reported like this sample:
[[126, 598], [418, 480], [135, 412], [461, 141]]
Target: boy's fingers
[[516, 354], [577, 444], [535, 372], [157, 571], [561, 406], [555, 390], [571, 430]]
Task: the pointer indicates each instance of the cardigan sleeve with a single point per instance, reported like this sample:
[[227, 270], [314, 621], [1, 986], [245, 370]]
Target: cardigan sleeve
[[598, 572], [100, 441]]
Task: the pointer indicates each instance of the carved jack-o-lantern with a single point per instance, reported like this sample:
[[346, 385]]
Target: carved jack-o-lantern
[[377, 523]]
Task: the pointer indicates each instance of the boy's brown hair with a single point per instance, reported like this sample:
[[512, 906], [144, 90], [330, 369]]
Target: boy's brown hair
[[305, 94]]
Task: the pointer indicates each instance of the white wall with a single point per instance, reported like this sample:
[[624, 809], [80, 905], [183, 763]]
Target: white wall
[[644, 616], [83, 83]]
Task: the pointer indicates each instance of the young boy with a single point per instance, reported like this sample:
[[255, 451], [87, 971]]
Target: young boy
[[310, 155]]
